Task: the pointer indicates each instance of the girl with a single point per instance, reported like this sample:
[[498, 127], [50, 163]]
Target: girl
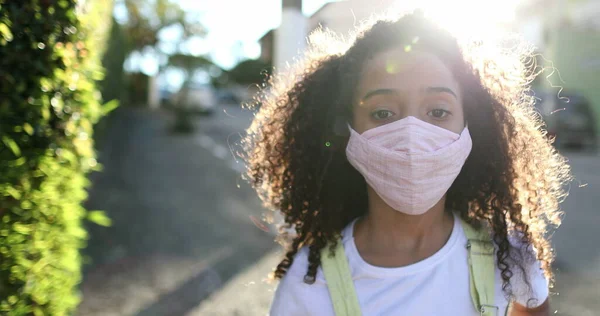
[[415, 174]]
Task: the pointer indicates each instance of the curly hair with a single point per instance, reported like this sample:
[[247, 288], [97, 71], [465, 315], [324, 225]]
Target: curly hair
[[513, 180]]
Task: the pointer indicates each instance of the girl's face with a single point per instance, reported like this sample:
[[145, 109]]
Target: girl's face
[[396, 84]]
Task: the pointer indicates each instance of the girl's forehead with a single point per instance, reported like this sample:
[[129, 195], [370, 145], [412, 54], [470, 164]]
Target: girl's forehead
[[398, 66]]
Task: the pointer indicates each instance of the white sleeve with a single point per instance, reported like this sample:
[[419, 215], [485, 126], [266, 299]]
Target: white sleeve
[[293, 296], [534, 274], [290, 298]]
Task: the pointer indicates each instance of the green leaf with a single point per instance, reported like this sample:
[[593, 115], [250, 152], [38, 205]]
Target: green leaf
[[38, 311], [22, 229], [45, 112], [13, 192], [5, 32], [110, 106], [17, 162], [99, 217], [97, 75], [12, 145], [28, 128]]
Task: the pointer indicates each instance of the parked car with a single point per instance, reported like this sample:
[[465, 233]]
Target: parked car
[[227, 97], [199, 99], [569, 118]]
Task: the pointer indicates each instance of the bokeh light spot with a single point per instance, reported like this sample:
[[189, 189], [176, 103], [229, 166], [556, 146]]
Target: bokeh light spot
[[391, 67]]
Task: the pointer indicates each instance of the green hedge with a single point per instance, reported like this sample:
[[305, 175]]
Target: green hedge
[[113, 85], [50, 54]]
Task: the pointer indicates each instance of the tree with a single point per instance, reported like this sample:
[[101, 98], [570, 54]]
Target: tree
[[251, 71], [146, 18], [112, 87], [189, 64], [143, 25]]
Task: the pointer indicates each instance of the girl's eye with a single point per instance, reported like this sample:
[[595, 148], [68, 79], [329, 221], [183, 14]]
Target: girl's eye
[[439, 113], [381, 114]]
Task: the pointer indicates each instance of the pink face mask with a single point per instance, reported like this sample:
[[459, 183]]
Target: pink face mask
[[410, 163]]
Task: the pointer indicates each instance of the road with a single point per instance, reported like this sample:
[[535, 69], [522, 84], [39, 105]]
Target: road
[[194, 227]]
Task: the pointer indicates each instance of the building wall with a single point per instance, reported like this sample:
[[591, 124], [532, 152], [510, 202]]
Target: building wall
[[567, 34], [290, 38], [575, 52], [266, 47]]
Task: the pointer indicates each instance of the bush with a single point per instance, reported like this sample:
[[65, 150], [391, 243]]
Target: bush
[[49, 59], [251, 71], [113, 85]]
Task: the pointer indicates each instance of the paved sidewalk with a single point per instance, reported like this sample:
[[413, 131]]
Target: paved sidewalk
[[249, 293], [182, 221]]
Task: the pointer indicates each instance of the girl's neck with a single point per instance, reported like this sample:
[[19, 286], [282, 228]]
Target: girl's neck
[[386, 237]]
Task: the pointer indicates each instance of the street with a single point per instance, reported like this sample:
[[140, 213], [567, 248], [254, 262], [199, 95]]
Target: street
[[187, 237]]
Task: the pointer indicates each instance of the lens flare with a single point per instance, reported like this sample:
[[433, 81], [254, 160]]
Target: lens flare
[[464, 18]]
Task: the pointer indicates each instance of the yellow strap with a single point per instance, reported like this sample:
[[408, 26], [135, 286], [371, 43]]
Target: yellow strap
[[481, 275], [482, 269], [339, 281]]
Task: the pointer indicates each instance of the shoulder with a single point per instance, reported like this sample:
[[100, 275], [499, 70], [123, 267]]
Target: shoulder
[[295, 297], [528, 282], [299, 268]]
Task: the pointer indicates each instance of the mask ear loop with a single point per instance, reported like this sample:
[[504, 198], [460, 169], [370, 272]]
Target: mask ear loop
[[341, 127]]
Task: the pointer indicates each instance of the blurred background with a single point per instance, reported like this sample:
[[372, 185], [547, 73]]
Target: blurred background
[[178, 231]]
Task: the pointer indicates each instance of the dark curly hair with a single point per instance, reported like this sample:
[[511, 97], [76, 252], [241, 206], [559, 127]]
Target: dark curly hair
[[513, 180]]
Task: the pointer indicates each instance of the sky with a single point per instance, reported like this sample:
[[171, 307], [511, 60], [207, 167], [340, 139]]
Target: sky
[[234, 26]]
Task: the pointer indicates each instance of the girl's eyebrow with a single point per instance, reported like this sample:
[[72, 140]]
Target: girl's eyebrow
[[378, 92], [441, 90], [395, 92]]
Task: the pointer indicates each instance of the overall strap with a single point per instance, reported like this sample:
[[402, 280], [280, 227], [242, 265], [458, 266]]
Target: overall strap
[[482, 269], [481, 275], [339, 281]]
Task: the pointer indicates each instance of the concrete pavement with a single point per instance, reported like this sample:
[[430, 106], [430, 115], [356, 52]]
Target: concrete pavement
[[577, 241], [182, 219]]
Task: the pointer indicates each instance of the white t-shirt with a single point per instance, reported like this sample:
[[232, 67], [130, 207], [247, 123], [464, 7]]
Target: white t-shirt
[[438, 285]]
